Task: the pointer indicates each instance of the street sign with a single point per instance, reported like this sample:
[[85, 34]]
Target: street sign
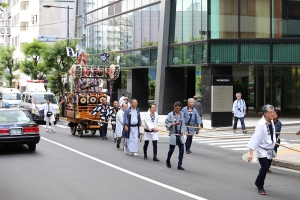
[[47, 38]]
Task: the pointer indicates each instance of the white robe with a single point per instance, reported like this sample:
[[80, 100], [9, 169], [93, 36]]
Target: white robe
[[45, 108], [119, 123], [149, 125], [132, 141]]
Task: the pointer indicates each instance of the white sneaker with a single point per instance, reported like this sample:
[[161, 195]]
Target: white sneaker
[[47, 130], [135, 154]]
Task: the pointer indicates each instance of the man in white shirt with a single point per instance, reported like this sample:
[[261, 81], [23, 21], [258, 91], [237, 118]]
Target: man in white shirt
[[119, 123], [121, 100], [239, 111], [263, 141], [49, 114]]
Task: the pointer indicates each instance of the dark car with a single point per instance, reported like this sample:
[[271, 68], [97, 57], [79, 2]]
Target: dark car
[[17, 127]]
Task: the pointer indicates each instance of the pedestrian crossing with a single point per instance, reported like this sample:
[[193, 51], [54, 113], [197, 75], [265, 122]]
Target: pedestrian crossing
[[57, 125], [233, 144]]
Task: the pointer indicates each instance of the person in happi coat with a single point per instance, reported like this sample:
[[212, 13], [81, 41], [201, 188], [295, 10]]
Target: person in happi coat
[[175, 124], [119, 123], [263, 142], [150, 129], [191, 118], [103, 107], [131, 133], [49, 114], [113, 114], [121, 100]]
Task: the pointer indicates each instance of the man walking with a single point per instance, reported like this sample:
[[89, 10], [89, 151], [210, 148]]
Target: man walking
[[239, 112], [263, 141], [150, 129], [121, 100], [49, 114], [103, 108], [191, 118], [198, 107], [132, 122], [119, 123], [113, 114], [175, 124]]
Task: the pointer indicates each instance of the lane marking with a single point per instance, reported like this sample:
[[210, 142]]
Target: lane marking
[[57, 125], [239, 142], [240, 149], [226, 140], [127, 171]]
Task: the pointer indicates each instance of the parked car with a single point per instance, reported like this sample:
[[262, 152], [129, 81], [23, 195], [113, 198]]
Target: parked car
[[17, 127]]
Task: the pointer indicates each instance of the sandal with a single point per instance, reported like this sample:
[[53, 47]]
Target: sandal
[[262, 191]]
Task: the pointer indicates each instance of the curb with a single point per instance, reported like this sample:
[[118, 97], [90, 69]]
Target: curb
[[285, 164]]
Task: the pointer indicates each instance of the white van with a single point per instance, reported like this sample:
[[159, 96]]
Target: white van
[[11, 96], [36, 94]]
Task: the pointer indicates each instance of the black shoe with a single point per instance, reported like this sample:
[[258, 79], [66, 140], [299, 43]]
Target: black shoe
[[168, 164], [244, 132], [180, 168], [156, 159], [103, 138], [118, 146], [145, 157]]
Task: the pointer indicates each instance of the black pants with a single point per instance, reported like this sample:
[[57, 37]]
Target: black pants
[[103, 130], [188, 142], [181, 151], [154, 143], [265, 165]]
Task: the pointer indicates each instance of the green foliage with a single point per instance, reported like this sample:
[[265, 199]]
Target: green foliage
[[151, 89], [6, 62], [3, 5], [32, 65], [56, 59]]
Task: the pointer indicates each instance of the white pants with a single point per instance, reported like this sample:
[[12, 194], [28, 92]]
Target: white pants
[[50, 119]]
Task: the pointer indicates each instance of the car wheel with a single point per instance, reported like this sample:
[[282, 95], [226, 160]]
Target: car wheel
[[80, 130], [73, 129], [32, 147]]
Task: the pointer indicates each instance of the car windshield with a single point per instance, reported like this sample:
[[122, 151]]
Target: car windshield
[[41, 98], [11, 96], [14, 117]]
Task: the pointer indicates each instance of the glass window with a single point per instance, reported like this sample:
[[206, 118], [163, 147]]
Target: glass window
[[137, 24], [41, 98], [138, 58], [255, 19], [130, 4], [145, 2], [146, 58], [197, 20], [204, 52], [285, 18], [224, 19], [187, 13], [204, 19], [130, 60], [197, 53], [11, 96], [153, 57], [170, 56], [14, 116], [116, 33], [154, 29], [255, 52], [123, 60], [124, 5], [188, 54], [146, 18], [129, 36], [123, 32], [178, 22], [223, 53], [138, 3], [177, 58]]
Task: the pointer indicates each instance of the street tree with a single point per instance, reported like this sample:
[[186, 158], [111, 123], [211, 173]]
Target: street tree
[[6, 63], [55, 58], [32, 65], [3, 5]]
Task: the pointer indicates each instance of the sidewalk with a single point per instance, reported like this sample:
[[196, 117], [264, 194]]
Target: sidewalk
[[285, 157]]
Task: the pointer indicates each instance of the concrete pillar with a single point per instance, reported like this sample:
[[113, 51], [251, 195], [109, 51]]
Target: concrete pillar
[[162, 55], [140, 87]]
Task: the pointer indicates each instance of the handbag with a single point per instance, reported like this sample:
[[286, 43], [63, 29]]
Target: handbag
[[49, 114]]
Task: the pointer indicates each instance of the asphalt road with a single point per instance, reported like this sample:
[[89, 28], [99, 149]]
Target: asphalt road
[[69, 167]]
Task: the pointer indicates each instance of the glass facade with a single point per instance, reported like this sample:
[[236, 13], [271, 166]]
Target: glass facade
[[256, 39]]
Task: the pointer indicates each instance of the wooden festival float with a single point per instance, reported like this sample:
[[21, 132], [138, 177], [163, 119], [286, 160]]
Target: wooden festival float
[[79, 105]]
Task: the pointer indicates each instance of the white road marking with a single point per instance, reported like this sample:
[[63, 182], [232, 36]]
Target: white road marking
[[226, 140], [240, 149], [127, 171], [293, 140], [238, 142], [237, 145], [57, 125]]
